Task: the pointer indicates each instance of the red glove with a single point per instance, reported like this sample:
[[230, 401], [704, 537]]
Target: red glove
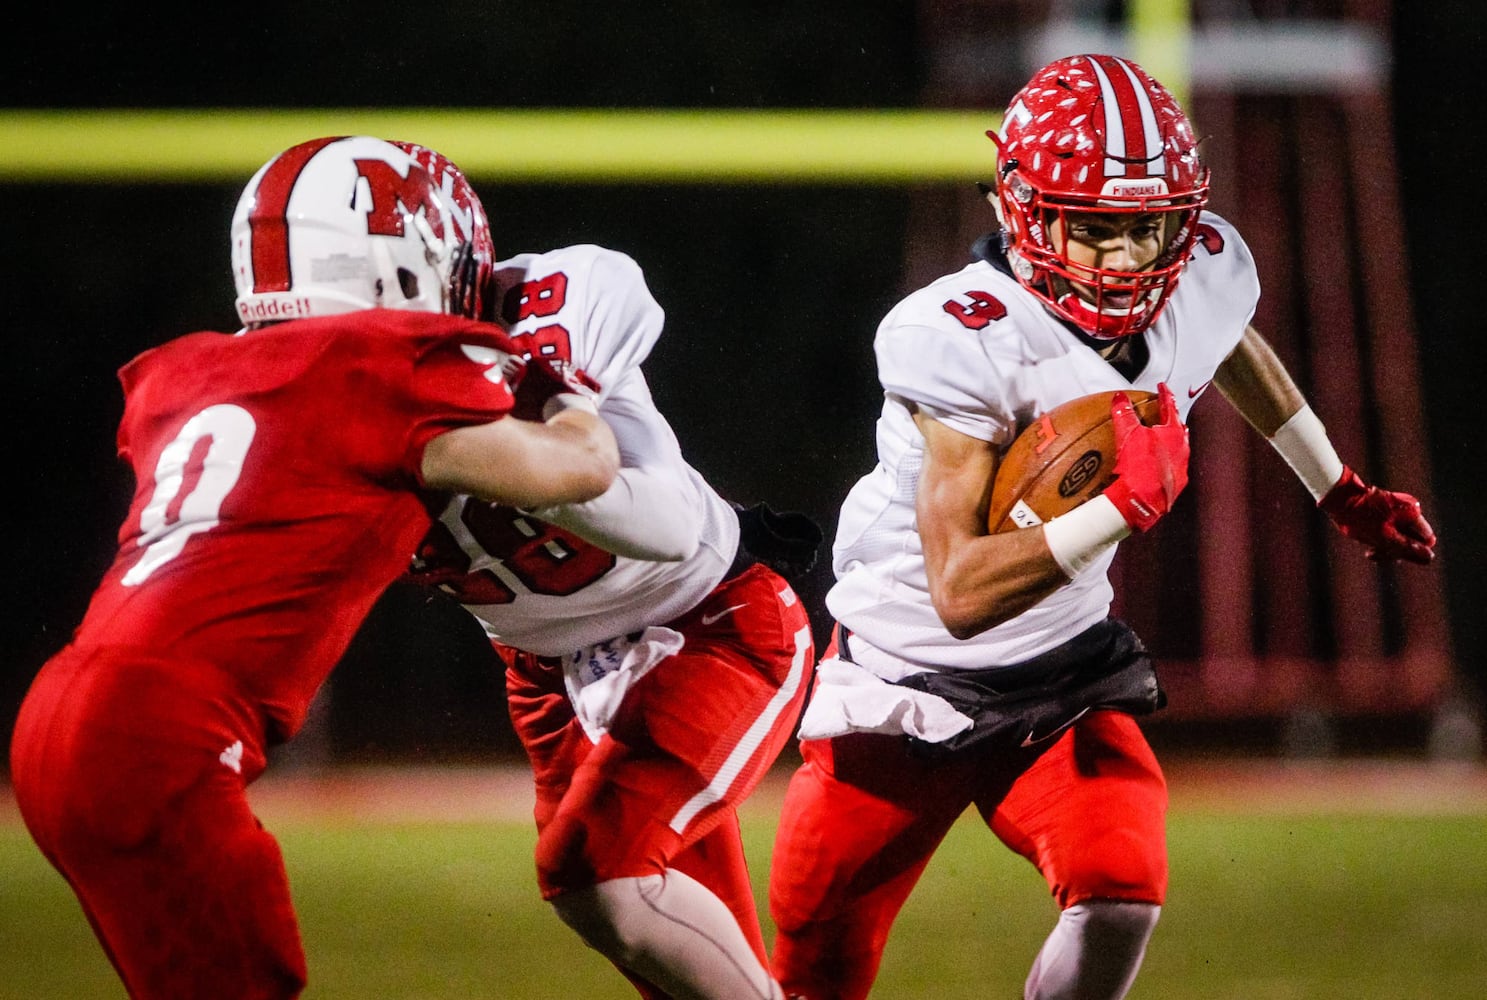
[[1151, 463], [1390, 525], [537, 382]]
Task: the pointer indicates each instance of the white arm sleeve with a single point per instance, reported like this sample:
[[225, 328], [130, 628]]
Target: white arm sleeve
[[652, 510]]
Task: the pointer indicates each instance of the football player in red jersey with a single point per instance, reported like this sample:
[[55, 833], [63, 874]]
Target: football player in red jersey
[[655, 671], [283, 475], [970, 669]]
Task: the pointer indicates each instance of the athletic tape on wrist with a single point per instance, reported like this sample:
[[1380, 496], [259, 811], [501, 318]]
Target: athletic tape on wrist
[[1302, 441], [1081, 536]]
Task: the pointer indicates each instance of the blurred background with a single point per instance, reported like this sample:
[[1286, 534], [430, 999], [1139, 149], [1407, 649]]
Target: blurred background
[[1344, 135]]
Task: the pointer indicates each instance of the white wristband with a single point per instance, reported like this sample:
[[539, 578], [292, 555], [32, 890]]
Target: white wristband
[[1302, 441], [568, 401], [1081, 536]]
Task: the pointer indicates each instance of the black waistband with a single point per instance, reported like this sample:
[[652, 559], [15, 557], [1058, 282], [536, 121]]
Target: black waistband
[[1027, 704]]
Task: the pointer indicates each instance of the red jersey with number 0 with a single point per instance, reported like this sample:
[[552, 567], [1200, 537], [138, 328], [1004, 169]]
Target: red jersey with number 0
[[278, 489]]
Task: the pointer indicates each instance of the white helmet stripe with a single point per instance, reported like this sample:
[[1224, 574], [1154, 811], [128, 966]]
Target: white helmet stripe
[[1156, 163], [1119, 148], [1115, 130]]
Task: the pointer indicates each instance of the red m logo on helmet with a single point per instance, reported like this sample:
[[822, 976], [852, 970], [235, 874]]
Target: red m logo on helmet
[[389, 189]]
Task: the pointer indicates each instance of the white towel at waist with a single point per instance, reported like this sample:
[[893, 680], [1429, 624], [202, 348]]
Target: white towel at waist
[[849, 699], [599, 677]]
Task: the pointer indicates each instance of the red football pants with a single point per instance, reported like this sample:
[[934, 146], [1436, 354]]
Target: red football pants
[[131, 777], [862, 816], [691, 741]]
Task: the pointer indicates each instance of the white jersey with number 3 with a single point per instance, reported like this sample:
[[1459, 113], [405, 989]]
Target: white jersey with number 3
[[535, 586], [982, 355]]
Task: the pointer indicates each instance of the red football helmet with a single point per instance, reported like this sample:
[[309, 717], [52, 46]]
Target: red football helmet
[[1095, 133], [478, 253]]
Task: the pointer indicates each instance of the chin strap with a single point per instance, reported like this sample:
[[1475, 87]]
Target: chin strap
[[1091, 320]]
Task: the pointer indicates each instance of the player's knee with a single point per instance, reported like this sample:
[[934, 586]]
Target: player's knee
[[826, 960], [1113, 921], [576, 853], [597, 913], [563, 865], [1119, 865], [789, 911], [836, 955], [806, 910]]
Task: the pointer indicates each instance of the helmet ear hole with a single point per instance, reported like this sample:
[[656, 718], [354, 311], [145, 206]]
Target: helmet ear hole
[[408, 282]]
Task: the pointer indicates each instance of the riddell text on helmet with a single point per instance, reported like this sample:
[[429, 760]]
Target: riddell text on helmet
[[275, 309]]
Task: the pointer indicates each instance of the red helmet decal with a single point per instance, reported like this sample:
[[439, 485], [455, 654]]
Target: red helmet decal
[[269, 221], [468, 224], [1133, 140], [390, 189], [469, 221]]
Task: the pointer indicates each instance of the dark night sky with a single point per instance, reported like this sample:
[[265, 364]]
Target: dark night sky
[[791, 281]]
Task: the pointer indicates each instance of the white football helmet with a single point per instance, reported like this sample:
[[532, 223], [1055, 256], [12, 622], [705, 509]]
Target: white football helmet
[[343, 223]]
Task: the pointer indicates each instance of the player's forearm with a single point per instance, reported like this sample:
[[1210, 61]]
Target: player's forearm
[[992, 579], [976, 580], [1255, 382], [571, 458], [1253, 379]]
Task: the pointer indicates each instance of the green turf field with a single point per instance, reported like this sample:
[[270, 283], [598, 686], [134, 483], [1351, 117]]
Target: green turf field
[[1289, 905]]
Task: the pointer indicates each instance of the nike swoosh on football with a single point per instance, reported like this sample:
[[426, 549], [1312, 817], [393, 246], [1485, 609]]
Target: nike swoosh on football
[[709, 619], [1031, 738], [1194, 393]]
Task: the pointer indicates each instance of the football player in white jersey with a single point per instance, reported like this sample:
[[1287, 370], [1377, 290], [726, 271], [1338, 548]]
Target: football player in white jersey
[[656, 659], [976, 669]]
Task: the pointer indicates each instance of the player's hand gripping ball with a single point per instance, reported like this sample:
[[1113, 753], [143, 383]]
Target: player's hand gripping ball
[[1065, 457]]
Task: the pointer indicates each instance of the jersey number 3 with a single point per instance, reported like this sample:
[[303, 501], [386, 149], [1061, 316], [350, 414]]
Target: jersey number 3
[[982, 309]]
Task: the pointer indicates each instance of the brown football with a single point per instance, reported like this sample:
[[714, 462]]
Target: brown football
[[1065, 457]]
